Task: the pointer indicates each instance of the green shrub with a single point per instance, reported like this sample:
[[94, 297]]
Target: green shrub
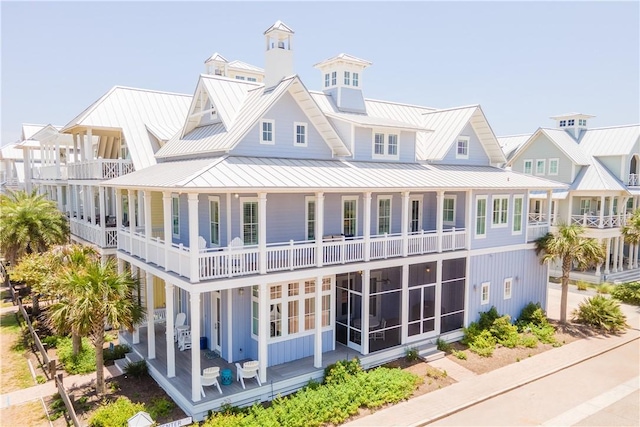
[[341, 371], [605, 288], [487, 318], [483, 344], [461, 355], [529, 341], [83, 363], [411, 354], [531, 313], [545, 333], [40, 379], [582, 285], [160, 407], [628, 293], [115, 414], [504, 332], [470, 333], [443, 345], [136, 369], [601, 313], [118, 352], [56, 407], [51, 341]]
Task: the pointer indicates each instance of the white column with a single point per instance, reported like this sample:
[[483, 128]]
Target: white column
[[616, 247], [635, 256], [319, 228], [103, 216], [438, 302], [193, 237], [404, 228], [135, 272], [56, 157], [166, 212], [151, 331], [75, 148], [608, 258], [263, 333], [262, 232], [146, 195], [631, 252], [229, 322], [470, 226], [88, 151], [621, 254], [366, 289], [439, 217], [404, 321], [195, 346], [170, 315], [69, 207], [601, 219], [59, 197], [367, 225], [549, 203], [140, 209], [570, 210], [317, 348], [131, 218], [86, 202]]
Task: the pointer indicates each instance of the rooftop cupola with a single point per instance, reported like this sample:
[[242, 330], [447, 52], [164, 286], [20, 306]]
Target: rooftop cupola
[[574, 123], [279, 56], [216, 65], [342, 80]]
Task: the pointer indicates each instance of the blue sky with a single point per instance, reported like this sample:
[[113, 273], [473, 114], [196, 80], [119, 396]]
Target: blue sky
[[522, 61]]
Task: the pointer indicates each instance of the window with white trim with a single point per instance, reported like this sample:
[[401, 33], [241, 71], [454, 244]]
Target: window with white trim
[[267, 131], [449, 210], [415, 214], [299, 134], [349, 216], [384, 214], [239, 77], [385, 145], [214, 220], [252, 79], [540, 166], [175, 215], [553, 166], [500, 215], [334, 78], [392, 145], [462, 148], [518, 203], [508, 283], [327, 80], [249, 221], [481, 216], [310, 217], [563, 123], [355, 79], [585, 206], [528, 167], [582, 122], [484, 293], [378, 144], [347, 78], [570, 122], [255, 310]]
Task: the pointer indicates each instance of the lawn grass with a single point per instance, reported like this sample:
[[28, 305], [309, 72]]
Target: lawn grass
[[14, 370]]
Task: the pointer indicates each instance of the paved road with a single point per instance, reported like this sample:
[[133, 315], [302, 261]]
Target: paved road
[[602, 391]]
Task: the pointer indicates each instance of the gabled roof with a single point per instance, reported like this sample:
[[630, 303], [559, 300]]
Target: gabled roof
[[11, 152], [344, 57], [511, 143], [447, 124], [229, 173], [239, 65], [611, 141], [374, 122], [280, 26], [560, 139], [565, 115], [596, 177], [29, 129], [131, 110], [248, 110], [216, 57]]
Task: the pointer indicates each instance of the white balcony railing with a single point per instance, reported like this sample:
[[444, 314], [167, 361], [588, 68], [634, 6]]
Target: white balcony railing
[[215, 263], [593, 221], [536, 230], [634, 180], [51, 172], [94, 234], [100, 169]]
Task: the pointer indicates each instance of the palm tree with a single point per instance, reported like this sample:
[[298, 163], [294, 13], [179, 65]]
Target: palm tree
[[569, 246], [29, 224], [98, 295], [631, 230]]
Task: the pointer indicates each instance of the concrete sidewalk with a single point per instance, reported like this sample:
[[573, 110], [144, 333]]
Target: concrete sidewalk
[[475, 389], [49, 388]]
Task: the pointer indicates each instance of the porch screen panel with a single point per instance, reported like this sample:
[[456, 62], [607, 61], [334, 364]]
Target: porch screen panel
[[452, 301]]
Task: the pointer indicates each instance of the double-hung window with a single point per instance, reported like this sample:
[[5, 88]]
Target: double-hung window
[[355, 79], [347, 78], [310, 217], [484, 293], [415, 214], [449, 210], [385, 145], [267, 132], [540, 166], [334, 78], [528, 167], [517, 214], [508, 283], [384, 214], [249, 221], [378, 144], [392, 147], [553, 166], [175, 215], [214, 220], [500, 211], [462, 148], [349, 216], [585, 206], [481, 216], [300, 134], [327, 80]]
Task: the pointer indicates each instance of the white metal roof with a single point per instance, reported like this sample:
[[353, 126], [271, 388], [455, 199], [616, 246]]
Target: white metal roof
[[611, 141], [344, 57], [511, 143], [596, 177], [239, 65], [280, 26], [566, 115], [216, 57], [253, 174], [11, 152], [562, 140], [373, 122], [29, 129], [131, 110]]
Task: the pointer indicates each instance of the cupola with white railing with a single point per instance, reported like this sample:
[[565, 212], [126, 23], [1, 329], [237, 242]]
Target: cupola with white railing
[[279, 55], [216, 65], [574, 123], [342, 80]]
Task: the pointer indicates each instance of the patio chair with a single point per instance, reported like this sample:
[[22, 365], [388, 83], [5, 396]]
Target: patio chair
[[380, 333], [180, 319], [248, 370], [184, 340], [209, 377]]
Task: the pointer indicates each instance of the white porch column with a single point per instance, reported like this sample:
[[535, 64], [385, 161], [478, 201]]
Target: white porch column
[[404, 321], [195, 346], [470, 226], [228, 322], [262, 232], [367, 225], [140, 208], [146, 195], [75, 149], [366, 290], [88, 150], [616, 247], [166, 212], [570, 210], [56, 157], [601, 219], [135, 272], [631, 252], [439, 217], [263, 333], [404, 228], [194, 251], [59, 197], [549, 203], [608, 258], [635, 256], [170, 316], [103, 216], [27, 169], [131, 217], [69, 207], [317, 348], [151, 330], [319, 228], [621, 253]]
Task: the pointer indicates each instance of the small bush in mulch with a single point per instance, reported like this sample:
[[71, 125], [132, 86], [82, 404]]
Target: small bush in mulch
[[628, 293], [601, 313]]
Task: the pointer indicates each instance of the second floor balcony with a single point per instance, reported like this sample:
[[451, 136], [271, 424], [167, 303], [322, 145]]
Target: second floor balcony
[[50, 172], [106, 237], [100, 169]]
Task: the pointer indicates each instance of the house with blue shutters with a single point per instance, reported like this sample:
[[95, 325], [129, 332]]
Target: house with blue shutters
[[296, 227]]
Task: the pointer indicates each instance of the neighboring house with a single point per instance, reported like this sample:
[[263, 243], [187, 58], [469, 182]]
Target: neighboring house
[[17, 160], [298, 227], [601, 167]]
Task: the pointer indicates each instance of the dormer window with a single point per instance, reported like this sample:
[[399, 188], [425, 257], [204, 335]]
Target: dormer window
[[347, 78], [462, 149], [582, 122], [334, 78], [563, 123], [571, 122], [267, 128], [355, 79], [385, 145], [327, 80], [239, 77]]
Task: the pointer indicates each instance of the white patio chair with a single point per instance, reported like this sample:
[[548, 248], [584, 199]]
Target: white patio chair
[[209, 377], [180, 319], [184, 340], [248, 370], [381, 333]]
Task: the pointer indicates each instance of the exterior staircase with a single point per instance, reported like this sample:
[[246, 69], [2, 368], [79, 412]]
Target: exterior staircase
[[130, 357]]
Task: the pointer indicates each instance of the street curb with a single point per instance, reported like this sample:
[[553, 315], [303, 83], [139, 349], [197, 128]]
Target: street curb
[[491, 395]]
